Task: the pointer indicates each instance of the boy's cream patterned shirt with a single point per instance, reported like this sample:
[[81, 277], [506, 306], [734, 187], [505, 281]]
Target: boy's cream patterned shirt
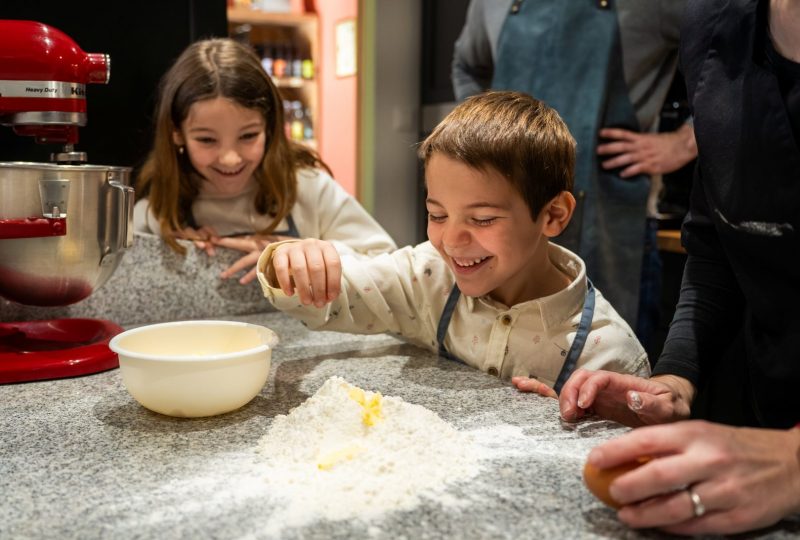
[[404, 293]]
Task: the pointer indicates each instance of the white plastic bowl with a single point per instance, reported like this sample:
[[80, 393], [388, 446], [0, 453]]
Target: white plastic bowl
[[194, 368]]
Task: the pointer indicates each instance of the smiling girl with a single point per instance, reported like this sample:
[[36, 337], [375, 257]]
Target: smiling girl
[[222, 172]]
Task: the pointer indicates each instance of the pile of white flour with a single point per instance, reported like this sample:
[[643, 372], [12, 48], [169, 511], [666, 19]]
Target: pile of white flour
[[325, 460]]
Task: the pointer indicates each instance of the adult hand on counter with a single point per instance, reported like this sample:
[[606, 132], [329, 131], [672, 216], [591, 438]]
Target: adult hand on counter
[[742, 478], [626, 399], [252, 245], [647, 153], [203, 238], [311, 267]]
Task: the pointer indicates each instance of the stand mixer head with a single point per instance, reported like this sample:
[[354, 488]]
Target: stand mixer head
[[43, 78], [64, 225]]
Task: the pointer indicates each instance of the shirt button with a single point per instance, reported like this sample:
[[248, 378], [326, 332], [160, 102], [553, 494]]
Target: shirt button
[[506, 320], [492, 371]]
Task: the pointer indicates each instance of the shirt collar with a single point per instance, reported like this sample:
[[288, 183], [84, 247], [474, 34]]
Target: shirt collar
[[563, 305], [556, 308]]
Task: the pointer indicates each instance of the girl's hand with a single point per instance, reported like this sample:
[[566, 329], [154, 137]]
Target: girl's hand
[[627, 399], [744, 478], [311, 267], [248, 261], [203, 238], [529, 384], [253, 246]]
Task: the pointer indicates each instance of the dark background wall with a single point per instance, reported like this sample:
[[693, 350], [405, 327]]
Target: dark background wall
[[143, 38], [441, 26]]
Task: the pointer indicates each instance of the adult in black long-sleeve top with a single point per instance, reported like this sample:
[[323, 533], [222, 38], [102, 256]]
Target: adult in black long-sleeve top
[[736, 332], [733, 352]]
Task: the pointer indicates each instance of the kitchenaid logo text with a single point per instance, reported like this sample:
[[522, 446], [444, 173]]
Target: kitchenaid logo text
[[73, 90], [42, 89]]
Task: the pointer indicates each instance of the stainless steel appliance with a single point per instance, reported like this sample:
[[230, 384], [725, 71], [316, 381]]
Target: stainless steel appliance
[[64, 225]]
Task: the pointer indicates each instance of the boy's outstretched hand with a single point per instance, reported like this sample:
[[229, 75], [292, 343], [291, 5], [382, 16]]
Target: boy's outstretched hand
[[310, 267], [527, 384]]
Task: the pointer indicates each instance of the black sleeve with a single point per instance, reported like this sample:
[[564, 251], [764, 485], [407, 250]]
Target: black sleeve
[[711, 303], [700, 20]]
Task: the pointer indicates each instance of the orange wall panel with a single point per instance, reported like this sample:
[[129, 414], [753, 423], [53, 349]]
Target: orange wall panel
[[338, 105]]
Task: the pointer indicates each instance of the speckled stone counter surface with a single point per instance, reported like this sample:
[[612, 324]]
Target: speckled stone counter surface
[[79, 458], [153, 283]]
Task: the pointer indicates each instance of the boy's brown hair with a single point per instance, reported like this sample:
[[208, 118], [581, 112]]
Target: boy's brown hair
[[519, 136]]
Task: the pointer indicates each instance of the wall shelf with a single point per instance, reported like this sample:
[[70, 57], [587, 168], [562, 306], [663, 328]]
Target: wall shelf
[[292, 36]]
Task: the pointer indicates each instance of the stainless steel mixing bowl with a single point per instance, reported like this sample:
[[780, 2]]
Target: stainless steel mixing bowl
[[96, 204]]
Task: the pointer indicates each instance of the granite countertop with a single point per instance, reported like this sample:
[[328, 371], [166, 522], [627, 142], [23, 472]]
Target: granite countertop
[[152, 283], [79, 458]]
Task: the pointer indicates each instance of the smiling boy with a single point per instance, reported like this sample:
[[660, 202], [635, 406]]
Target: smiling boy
[[488, 288]]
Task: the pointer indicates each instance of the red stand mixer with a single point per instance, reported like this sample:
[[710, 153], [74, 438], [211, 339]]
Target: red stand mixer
[[64, 225]]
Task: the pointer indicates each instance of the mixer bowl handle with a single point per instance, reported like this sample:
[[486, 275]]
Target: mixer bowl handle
[[125, 201]]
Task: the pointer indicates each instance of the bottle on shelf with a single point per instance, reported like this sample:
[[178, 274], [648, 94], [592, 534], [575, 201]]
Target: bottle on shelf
[[308, 127], [279, 62], [288, 56], [297, 129], [267, 53], [306, 64], [297, 63]]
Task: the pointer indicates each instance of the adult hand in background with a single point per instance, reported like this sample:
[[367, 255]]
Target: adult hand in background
[[626, 399], [203, 238], [647, 153], [744, 478], [252, 245], [310, 267]]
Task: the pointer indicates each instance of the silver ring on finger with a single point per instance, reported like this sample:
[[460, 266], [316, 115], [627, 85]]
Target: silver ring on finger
[[698, 508]]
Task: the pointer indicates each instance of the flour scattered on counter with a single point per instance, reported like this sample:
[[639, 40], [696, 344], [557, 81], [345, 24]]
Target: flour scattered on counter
[[348, 453]]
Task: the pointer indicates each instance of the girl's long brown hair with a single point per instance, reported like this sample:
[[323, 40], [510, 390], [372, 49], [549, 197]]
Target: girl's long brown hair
[[205, 70]]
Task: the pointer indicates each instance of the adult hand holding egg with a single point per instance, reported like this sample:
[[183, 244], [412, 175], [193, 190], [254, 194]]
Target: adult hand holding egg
[[706, 477]]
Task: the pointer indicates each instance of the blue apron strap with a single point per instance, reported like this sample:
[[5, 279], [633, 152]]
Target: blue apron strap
[[444, 320], [291, 229], [293, 232], [580, 339]]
